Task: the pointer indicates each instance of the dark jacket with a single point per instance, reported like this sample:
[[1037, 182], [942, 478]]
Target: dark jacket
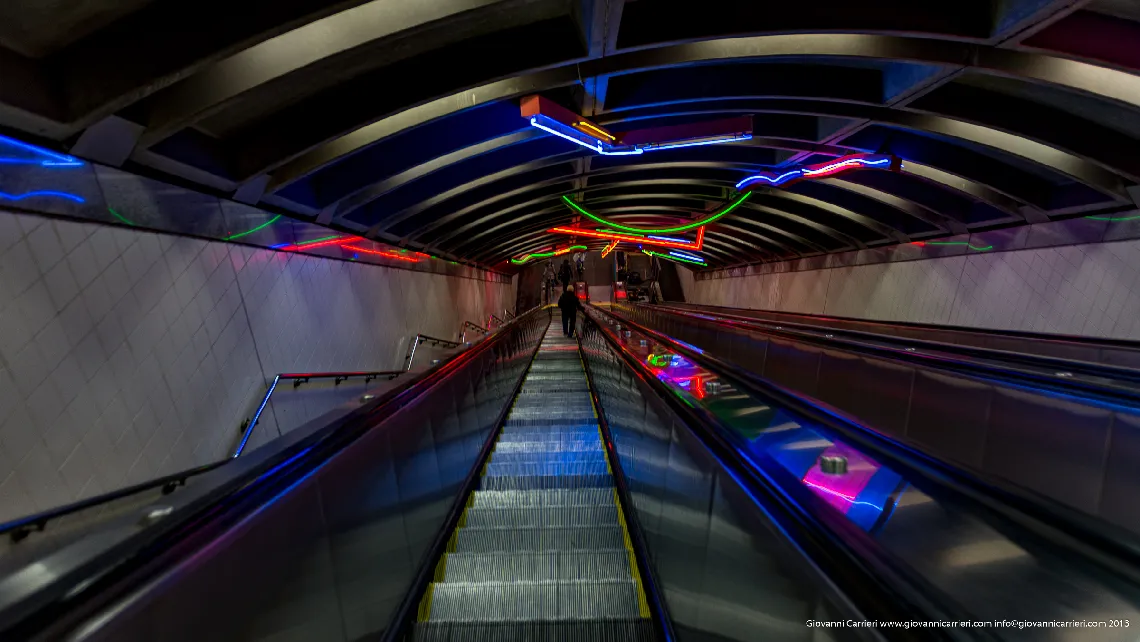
[[564, 273], [568, 302]]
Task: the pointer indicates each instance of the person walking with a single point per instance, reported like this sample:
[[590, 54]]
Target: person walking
[[569, 305], [565, 274]]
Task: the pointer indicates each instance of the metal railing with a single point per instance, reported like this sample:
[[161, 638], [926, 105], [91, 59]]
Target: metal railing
[[472, 326], [423, 338]]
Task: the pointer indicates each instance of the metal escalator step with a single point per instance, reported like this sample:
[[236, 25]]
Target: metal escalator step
[[555, 437], [547, 421], [509, 540], [540, 498], [545, 446], [574, 456], [556, 469], [640, 630], [552, 566], [542, 517], [530, 601], [543, 482], [587, 426]]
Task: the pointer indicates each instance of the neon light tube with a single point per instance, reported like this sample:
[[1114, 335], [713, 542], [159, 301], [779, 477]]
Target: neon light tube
[[830, 168], [652, 147], [678, 259], [321, 242], [595, 129], [966, 243], [55, 159], [120, 217], [596, 148], [41, 194], [248, 232], [667, 238], [385, 254], [680, 228], [685, 255], [695, 245], [543, 255], [609, 248]]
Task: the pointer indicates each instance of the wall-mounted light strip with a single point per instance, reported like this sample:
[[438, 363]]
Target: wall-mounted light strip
[[819, 170], [248, 232], [613, 236], [387, 255], [42, 194], [966, 243], [609, 248], [674, 258], [53, 159], [120, 217], [555, 120], [542, 255], [665, 230], [1113, 218]]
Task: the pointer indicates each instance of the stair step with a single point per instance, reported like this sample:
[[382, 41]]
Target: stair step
[[537, 567], [576, 456], [629, 630], [546, 482], [510, 540], [531, 601], [541, 517], [538, 498], [558, 469]]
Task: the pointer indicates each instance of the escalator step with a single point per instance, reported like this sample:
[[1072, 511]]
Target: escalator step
[[590, 631], [584, 456], [546, 482], [506, 540], [531, 601], [538, 567], [546, 446], [568, 469], [570, 436], [544, 421], [544, 517], [550, 498]]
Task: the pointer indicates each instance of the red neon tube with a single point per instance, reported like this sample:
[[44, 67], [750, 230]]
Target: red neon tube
[[640, 240]]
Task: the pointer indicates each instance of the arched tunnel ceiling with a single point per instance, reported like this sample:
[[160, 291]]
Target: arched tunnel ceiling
[[399, 119]]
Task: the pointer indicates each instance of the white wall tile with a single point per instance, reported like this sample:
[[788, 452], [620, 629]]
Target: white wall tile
[[125, 354]]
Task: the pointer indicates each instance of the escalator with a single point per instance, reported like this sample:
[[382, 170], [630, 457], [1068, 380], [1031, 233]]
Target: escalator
[[541, 551], [532, 487]]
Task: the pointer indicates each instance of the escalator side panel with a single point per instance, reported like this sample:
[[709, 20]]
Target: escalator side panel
[[725, 573], [330, 556]]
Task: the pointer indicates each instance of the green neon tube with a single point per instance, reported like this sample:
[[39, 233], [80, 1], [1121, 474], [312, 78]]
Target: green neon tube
[[119, 216], [543, 255], [259, 227], [664, 230]]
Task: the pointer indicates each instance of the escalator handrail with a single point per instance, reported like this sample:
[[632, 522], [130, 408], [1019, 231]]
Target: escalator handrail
[[1039, 337], [1056, 364], [118, 561], [842, 553], [1110, 547]]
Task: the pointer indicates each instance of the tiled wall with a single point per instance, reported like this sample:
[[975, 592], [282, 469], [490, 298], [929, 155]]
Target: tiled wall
[[1091, 289], [126, 355]]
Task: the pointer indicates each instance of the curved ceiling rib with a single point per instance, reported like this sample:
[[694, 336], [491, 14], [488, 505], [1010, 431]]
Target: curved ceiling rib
[[399, 119]]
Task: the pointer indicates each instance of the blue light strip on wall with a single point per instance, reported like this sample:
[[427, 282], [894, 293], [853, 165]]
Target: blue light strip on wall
[[40, 194]]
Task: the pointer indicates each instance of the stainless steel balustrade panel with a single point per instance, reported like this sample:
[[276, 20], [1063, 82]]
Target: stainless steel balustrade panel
[[1062, 446], [332, 557]]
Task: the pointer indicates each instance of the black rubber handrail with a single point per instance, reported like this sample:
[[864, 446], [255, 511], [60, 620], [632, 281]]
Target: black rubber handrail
[[1063, 369], [875, 582], [44, 606], [1111, 548]]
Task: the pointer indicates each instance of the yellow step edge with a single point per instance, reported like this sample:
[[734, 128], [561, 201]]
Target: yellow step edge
[[453, 543], [441, 568], [424, 612], [642, 603]]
